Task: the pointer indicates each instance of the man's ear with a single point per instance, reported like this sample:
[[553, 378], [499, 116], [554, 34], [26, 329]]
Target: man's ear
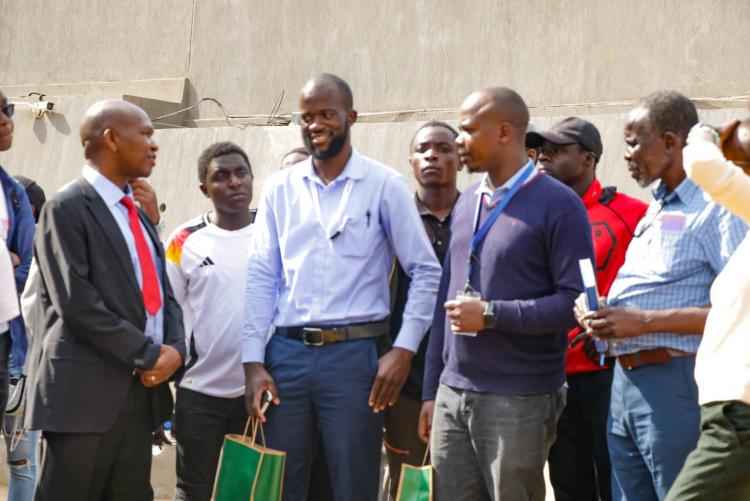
[[672, 141], [590, 159], [504, 132], [351, 117], [110, 139], [202, 186]]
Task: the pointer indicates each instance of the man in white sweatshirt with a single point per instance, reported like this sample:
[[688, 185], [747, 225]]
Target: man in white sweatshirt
[[719, 467]]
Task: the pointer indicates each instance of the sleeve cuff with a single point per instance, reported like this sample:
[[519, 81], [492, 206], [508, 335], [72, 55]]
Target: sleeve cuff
[[408, 339], [148, 358], [429, 393], [507, 315], [253, 350]]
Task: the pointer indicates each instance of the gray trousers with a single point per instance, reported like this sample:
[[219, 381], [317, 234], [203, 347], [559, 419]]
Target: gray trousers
[[492, 447]]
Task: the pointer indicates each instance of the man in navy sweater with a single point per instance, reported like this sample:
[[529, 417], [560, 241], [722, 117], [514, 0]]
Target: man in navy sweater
[[495, 365]]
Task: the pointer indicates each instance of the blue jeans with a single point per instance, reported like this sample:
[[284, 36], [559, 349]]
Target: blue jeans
[[22, 460], [654, 423], [492, 447], [324, 389]]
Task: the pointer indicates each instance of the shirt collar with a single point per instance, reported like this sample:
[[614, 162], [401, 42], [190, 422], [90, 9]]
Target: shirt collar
[[685, 191], [484, 185], [593, 193], [109, 191], [424, 211], [354, 168]]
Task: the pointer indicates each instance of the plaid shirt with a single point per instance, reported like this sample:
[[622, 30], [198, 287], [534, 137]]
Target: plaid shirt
[[680, 246]]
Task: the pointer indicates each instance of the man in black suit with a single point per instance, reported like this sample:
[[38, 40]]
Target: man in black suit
[[114, 334]]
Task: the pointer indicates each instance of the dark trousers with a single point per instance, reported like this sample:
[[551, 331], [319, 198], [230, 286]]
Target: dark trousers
[[320, 478], [4, 376], [579, 460], [201, 421], [402, 443], [719, 467], [114, 465], [325, 389]]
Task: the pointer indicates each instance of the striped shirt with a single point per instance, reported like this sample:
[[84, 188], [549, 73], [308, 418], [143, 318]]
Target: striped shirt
[[680, 246]]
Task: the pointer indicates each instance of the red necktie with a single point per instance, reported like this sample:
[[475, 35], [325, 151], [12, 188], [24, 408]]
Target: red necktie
[[150, 287]]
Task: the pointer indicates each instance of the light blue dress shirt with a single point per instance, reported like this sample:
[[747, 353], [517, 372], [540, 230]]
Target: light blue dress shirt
[[680, 246], [297, 275], [111, 195]]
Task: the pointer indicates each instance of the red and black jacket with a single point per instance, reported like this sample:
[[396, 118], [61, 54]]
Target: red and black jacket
[[613, 217]]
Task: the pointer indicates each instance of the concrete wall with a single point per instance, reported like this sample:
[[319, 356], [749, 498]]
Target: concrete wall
[[49, 151], [430, 54], [75, 41], [397, 55]]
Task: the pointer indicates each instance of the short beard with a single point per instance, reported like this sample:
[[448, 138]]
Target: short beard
[[643, 180], [334, 148]]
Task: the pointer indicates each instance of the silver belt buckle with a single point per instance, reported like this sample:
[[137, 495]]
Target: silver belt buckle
[[312, 336]]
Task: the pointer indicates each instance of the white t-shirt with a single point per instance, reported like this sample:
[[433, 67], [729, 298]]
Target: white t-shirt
[[207, 266], [8, 294]]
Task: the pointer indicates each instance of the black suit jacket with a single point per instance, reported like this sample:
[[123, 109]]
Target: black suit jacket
[[95, 318]]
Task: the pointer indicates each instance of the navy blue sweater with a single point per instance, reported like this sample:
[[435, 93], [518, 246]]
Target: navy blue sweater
[[528, 268]]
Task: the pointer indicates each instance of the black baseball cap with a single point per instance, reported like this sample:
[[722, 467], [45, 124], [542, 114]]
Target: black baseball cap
[[33, 191], [569, 131]]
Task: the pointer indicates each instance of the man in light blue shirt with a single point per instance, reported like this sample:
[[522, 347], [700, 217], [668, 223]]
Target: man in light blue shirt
[[658, 304], [326, 233]]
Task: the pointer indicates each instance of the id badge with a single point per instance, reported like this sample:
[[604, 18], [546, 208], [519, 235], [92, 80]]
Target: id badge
[[467, 294]]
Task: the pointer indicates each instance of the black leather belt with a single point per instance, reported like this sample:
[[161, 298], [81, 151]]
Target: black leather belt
[[319, 336]]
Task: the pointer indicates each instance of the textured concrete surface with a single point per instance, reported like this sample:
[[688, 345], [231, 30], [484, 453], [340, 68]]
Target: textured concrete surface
[[49, 151], [397, 55]]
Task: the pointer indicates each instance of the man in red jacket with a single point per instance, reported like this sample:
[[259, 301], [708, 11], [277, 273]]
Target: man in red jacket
[[579, 460]]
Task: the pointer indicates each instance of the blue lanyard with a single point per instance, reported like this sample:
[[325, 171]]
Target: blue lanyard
[[481, 233]]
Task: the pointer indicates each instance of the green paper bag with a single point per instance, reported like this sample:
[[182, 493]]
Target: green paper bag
[[415, 483], [248, 471]]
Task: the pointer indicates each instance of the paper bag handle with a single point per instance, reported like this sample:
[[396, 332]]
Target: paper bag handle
[[426, 455], [255, 423]]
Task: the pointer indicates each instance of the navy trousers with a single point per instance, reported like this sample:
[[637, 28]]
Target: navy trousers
[[325, 389]]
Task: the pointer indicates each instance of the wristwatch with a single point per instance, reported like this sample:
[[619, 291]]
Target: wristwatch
[[489, 316]]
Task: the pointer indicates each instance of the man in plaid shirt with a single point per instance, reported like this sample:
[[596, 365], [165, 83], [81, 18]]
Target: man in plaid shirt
[[657, 306]]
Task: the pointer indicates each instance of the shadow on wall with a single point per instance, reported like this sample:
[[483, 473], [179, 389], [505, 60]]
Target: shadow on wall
[[58, 121]]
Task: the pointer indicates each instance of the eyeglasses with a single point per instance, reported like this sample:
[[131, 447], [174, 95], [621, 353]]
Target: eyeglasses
[[8, 109]]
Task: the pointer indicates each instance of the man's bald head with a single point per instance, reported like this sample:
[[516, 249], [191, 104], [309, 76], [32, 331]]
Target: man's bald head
[[118, 140], [493, 131], [500, 104], [322, 80], [113, 114]]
